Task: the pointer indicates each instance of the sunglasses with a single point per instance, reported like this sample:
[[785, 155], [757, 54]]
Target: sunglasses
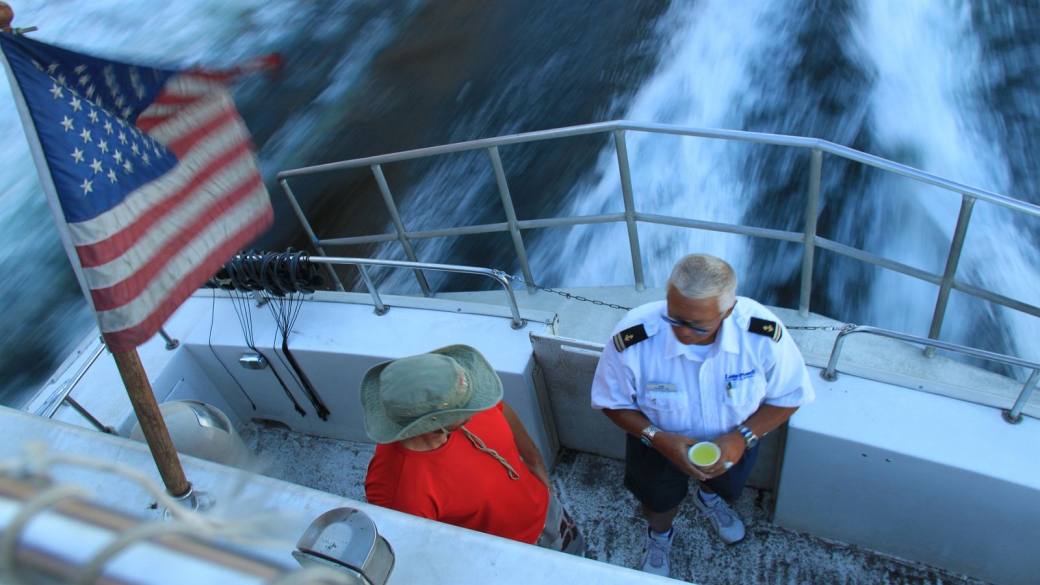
[[681, 323]]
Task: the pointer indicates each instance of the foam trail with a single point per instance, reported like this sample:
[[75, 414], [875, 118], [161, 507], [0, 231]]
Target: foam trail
[[701, 81], [929, 64]]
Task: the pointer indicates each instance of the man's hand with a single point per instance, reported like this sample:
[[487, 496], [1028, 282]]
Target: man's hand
[[674, 447], [732, 446]]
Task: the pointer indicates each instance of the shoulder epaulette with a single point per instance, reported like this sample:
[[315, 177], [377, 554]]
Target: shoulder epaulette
[[768, 328], [629, 337]]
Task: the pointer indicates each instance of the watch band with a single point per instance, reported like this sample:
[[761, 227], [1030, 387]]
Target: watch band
[[750, 438], [647, 435]]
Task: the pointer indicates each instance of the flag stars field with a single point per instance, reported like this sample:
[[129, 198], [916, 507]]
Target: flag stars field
[[81, 112]]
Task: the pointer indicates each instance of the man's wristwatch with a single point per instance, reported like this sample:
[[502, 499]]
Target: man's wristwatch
[[750, 438], [647, 435]]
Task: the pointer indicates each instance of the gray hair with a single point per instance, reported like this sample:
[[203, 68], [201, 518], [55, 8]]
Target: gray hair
[[700, 276]]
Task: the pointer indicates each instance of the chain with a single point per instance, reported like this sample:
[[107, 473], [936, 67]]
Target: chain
[[846, 327], [565, 295]]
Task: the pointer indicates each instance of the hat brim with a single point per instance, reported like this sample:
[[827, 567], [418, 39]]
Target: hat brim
[[487, 392]]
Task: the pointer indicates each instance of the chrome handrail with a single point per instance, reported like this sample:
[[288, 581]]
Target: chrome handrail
[[1012, 415], [736, 135], [497, 275], [50, 406], [62, 394]]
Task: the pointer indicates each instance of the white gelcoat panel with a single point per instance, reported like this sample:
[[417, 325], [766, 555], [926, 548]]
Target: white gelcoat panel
[[336, 343], [915, 475]]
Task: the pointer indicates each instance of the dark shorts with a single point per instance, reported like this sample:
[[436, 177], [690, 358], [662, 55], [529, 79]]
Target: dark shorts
[[660, 486]]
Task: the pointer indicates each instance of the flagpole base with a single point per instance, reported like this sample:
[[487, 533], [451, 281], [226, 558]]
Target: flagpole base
[[197, 501]]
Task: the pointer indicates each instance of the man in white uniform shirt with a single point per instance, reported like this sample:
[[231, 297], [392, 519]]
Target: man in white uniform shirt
[[703, 365]]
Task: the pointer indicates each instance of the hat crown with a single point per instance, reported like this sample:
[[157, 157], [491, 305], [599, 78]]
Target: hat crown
[[415, 386], [413, 395]]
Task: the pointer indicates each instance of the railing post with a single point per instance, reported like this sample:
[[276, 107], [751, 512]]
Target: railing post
[[310, 232], [402, 237], [956, 246], [381, 309], [630, 207], [507, 206], [812, 212], [1014, 416], [830, 372], [171, 343]]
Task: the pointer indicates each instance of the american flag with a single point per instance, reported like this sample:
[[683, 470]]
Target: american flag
[[153, 171]]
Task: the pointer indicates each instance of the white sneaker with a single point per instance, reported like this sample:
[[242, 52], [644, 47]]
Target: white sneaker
[[655, 552], [725, 522]]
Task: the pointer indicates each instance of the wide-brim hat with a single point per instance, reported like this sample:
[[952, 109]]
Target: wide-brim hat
[[413, 395]]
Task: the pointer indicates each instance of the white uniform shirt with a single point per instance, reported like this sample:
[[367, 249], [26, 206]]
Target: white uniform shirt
[[701, 396]]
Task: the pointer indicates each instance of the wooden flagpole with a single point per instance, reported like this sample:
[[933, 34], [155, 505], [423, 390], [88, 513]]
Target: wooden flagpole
[[138, 388]]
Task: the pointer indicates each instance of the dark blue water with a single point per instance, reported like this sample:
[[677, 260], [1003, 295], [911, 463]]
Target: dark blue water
[[946, 87]]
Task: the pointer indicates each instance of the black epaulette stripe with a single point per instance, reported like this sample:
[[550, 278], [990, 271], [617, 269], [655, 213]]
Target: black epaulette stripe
[[770, 329], [629, 337]]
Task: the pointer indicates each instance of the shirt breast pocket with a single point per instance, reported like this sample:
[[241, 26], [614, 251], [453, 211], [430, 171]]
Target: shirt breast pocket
[[664, 402], [746, 392]]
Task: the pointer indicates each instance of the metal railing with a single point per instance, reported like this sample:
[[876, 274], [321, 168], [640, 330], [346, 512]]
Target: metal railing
[[63, 394], [497, 275], [55, 400], [947, 281], [1012, 415]]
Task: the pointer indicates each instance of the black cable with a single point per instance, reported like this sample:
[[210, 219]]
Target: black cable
[[285, 311], [276, 277], [212, 316], [245, 320]]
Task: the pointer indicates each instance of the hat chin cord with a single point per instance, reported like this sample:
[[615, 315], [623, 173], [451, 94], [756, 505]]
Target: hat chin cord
[[479, 444]]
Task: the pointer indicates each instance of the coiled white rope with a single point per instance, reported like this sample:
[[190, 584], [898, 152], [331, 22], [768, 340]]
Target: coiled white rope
[[39, 503], [91, 571], [37, 460]]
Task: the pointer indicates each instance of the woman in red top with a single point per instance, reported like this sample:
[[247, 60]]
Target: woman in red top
[[451, 450]]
